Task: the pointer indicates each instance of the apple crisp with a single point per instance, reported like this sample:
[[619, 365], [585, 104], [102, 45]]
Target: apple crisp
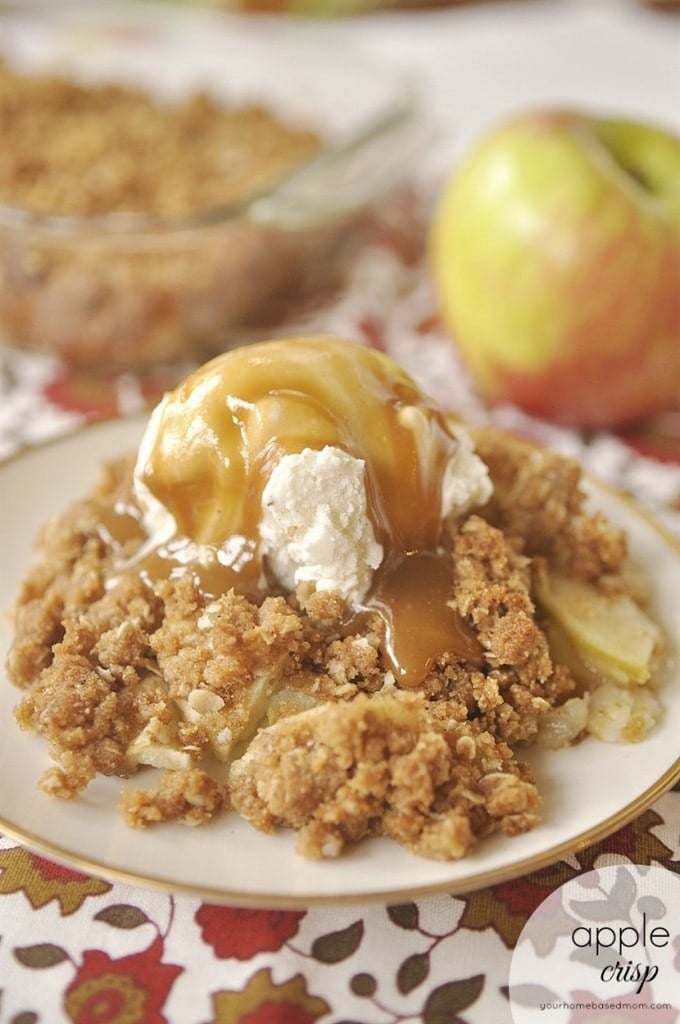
[[286, 710], [127, 237]]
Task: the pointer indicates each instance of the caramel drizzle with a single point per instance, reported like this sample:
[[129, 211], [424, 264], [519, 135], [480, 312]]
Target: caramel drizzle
[[413, 594]]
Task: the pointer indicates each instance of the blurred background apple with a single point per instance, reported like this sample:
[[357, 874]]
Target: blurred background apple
[[555, 249]]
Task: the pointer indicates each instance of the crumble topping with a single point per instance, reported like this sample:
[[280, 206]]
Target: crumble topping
[[538, 501], [382, 766], [286, 709]]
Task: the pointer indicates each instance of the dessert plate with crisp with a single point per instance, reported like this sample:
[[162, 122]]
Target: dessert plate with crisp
[[589, 789]]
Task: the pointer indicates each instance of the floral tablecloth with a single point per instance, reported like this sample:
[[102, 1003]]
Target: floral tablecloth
[[82, 949], [78, 949]]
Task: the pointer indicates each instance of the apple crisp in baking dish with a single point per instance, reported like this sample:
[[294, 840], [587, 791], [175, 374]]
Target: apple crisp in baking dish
[[128, 231], [314, 599]]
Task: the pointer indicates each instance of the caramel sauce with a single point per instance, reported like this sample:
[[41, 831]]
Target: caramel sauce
[[121, 525], [213, 442], [213, 570], [206, 566], [412, 594]]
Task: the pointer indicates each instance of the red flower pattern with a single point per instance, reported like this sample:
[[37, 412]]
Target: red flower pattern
[[132, 989], [241, 933]]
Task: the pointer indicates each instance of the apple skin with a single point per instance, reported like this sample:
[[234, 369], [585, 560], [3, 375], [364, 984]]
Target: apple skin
[[555, 250]]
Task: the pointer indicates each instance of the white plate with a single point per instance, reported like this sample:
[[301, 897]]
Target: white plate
[[588, 790]]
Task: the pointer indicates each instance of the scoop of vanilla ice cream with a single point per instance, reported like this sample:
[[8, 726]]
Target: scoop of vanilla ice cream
[[313, 459], [158, 521], [315, 525], [466, 483]]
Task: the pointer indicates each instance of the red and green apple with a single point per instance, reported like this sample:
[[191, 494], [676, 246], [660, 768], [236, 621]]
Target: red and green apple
[[555, 249]]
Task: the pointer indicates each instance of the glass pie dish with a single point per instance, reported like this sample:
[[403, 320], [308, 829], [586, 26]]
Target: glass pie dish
[[130, 290]]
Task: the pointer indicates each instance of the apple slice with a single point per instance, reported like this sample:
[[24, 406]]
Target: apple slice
[[611, 631]]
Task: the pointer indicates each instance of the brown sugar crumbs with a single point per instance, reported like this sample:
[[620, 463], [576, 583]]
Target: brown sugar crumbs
[[71, 148], [274, 711]]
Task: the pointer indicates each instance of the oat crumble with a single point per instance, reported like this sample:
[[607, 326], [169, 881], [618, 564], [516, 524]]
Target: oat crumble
[[72, 148], [275, 710], [138, 292]]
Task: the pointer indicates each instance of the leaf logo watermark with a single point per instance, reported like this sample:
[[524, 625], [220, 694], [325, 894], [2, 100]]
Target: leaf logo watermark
[[614, 954]]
